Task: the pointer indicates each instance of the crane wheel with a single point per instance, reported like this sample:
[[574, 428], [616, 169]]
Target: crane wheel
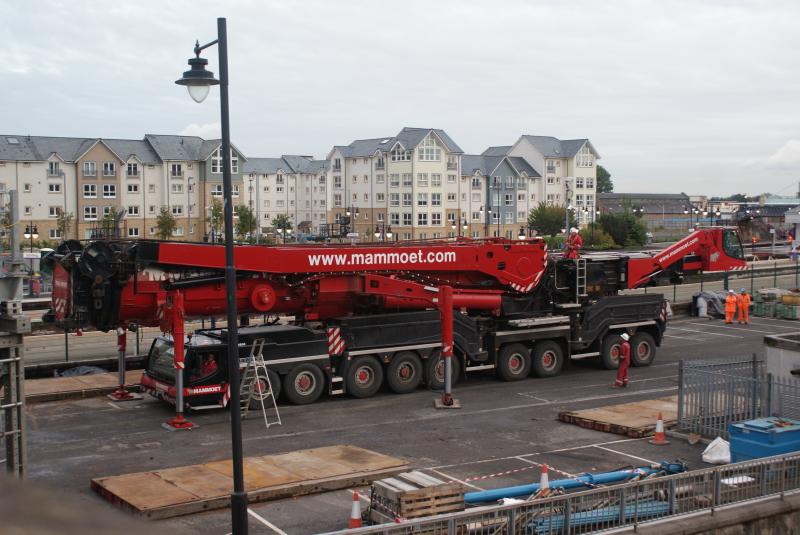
[[643, 349], [404, 373], [304, 384], [364, 377], [514, 362], [434, 370], [261, 389], [611, 351], [547, 358]]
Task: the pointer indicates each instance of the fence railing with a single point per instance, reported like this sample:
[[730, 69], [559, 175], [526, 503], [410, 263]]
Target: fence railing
[[618, 506], [712, 394]]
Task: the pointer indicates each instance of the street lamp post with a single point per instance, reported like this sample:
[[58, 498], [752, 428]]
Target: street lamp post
[[464, 226], [31, 233], [198, 82], [383, 232]]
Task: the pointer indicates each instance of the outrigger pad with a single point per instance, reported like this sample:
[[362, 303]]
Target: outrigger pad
[[437, 404]]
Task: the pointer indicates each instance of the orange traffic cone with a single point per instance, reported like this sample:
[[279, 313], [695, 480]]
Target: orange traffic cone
[[355, 513], [659, 439], [544, 481], [78, 332]]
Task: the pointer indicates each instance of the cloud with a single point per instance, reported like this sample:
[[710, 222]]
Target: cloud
[[206, 131], [786, 157]]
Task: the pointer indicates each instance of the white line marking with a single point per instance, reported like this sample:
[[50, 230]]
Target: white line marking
[[648, 461], [756, 319], [683, 338], [266, 522], [745, 329], [706, 332], [116, 406], [451, 478], [549, 466]]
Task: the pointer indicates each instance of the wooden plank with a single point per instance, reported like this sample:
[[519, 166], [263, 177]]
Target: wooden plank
[[635, 420], [190, 489], [421, 479]]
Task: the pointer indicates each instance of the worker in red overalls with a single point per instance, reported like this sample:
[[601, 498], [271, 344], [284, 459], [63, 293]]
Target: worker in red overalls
[[730, 306], [624, 361], [574, 243]]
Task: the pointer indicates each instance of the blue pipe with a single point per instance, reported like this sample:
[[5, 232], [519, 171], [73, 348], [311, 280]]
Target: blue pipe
[[585, 480]]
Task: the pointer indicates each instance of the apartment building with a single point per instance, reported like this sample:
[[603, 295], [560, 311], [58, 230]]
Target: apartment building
[[90, 178], [295, 186], [410, 182]]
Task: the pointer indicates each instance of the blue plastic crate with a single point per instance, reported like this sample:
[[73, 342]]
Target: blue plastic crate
[[763, 437]]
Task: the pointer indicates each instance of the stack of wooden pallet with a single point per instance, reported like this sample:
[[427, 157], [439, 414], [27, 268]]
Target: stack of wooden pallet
[[413, 495]]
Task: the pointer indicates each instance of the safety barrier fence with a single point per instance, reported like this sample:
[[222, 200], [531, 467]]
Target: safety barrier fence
[[626, 505], [714, 394]]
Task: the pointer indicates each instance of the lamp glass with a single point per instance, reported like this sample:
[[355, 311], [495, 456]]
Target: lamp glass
[[198, 92]]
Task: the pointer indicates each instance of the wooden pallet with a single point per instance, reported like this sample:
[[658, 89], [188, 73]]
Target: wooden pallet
[[414, 495], [634, 420], [204, 487]]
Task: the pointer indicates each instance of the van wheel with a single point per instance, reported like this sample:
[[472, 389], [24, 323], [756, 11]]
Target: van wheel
[[261, 390], [643, 349], [434, 370], [404, 373], [548, 359], [514, 362], [611, 351], [304, 384], [364, 377]]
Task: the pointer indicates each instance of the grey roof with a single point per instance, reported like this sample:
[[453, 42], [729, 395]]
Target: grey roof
[[288, 163], [411, 137], [551, 147], [39, 148], [367, 147], [497, 151], [471, 163], [522, 165], [265, 165], [408, 138], [175, 147], [487, 164], [125, 148]]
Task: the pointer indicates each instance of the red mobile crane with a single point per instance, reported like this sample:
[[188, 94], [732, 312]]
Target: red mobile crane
[[364, 311]]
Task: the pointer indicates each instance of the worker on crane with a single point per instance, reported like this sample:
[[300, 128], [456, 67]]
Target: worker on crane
[[744, 306], [624, 361], [574, 243], [730, 306]]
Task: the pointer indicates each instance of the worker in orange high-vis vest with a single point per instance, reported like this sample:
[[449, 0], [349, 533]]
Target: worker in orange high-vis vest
[[730, 306], [744, 307]]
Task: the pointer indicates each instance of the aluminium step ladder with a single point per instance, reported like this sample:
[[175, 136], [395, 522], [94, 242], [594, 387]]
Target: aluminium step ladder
[[255, 385], [580, 279]]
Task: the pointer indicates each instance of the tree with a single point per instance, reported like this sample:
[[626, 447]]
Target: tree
[[246, 225], [594, 238], [282, 221], [604, 183], [165, 223], [216, 216], [625, 228], [64, 222], [548, 220]]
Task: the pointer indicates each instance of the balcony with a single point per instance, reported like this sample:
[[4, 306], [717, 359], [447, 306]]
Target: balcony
[[380, 166], [173, 174]]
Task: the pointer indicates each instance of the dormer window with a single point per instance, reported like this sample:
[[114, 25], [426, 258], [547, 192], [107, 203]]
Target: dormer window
[[429, 150], [399, 154]]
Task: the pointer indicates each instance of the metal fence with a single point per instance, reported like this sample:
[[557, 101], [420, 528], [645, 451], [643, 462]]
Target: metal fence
[[619, 506], [714, 394]]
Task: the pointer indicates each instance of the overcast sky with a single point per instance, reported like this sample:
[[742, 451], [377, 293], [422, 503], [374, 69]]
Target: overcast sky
[[701, 97]]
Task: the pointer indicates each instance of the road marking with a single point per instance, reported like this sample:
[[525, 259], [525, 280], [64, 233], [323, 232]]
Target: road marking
[[116, 406], [706, 332], [549, 466], [756, 319], [606, 384], [266, 522], [745, 329], [684, 338], [648, 461], [476, 487]]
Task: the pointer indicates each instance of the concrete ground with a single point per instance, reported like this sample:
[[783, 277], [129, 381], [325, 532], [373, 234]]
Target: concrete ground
[[503, 434]]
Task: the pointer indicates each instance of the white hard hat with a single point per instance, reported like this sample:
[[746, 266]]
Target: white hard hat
[[625, 336], [731, 292], [573, 229]]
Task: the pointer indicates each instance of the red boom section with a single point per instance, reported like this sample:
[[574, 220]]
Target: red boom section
[[707, 245]]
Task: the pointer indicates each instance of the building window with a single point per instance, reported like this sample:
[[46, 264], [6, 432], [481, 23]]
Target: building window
[[133, 170], [451, 179], [355, 179], [422, 219], [337, 164], [551, 180], [476, 216], [579, 199], [394, 218], [422, 179], [54, 188], [109, 191], [366, 197], [585, 157], [177, 209], [400, 155], [451, 197], [176, 170], [509, 199], [89, 169], [408, 180], [551, 166], [133, 188], [508, 217], [521, 183], [26, 187], [152, 209], [279, 179], [422, 199], [476, 197], [216, 161], [436, 180], [133, 232], [509, 182], [178, 231], [216, 190], [394, 199], [151, 188], [407, 199], [177, 188], [380, 197], [28, 210], [436, 219], [451, 217], [280, 203], [429, 150], [366, 179], [55, 234], [407, 220], [436, 199], [579, 182], [133, 210], [379, 179], [590, 182], [53, 169], [109, 169], [394, 180], [90, 191], [90, 213], [236, 190], [52, 211], [521, 217]]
